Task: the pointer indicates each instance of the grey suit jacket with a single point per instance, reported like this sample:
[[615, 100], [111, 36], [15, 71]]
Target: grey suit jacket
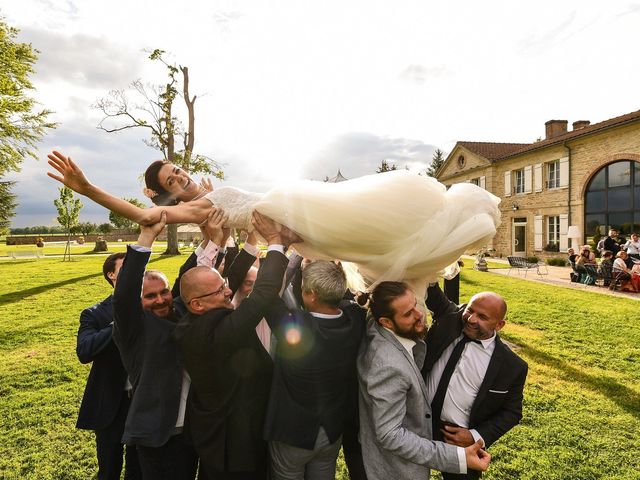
[[395, 417]]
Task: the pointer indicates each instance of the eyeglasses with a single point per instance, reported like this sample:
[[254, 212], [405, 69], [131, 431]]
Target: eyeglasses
[[225, 285]]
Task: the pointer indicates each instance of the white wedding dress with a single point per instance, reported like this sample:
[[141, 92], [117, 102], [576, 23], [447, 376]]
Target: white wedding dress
[[393, 226]]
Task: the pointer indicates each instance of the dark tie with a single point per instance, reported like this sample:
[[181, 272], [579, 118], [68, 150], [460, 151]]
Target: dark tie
[[438, 398], [419, 353]]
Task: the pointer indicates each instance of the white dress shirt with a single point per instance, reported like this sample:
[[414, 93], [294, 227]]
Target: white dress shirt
[[465, 381]]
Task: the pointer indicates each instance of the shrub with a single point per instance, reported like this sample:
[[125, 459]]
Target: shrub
[[558, 262], [533, 259]]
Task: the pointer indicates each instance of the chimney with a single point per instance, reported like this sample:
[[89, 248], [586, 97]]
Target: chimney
[[553, 128], [578, 124]]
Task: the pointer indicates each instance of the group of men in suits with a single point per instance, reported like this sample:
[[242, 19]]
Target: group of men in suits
[[204, 385]]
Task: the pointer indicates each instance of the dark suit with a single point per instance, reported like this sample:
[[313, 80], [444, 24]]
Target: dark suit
[[150, 356], [105, 402], [230, 378], [313, 378], [498, 405]]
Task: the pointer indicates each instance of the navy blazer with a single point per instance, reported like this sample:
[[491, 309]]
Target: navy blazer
[[315, 379], [498, 405], [107, 378]]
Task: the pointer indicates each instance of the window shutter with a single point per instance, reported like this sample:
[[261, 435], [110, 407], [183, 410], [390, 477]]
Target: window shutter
[[527, 179], [564, 227], [507, 183], [537, 177], [537, 232], [483, 182], [564, 171]]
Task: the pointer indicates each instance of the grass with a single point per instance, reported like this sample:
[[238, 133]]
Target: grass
[[582, 399], [52, 249]]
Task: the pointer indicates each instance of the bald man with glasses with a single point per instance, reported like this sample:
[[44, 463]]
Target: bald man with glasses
[[229, 368]]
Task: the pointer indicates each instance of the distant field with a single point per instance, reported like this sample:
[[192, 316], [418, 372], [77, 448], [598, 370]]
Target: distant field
[[582, 399]]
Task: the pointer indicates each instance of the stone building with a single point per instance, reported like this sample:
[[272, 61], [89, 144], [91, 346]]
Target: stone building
[[570, 186]]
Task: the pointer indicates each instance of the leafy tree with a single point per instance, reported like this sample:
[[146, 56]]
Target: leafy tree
[[87, 228], [68, 212], [154, 111], [119, 221], [7, 204], [104, 228], [385, 166], [436, 162], [21, 124]]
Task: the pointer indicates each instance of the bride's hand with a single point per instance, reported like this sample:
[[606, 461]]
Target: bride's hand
[[72, 175], [206, 184]]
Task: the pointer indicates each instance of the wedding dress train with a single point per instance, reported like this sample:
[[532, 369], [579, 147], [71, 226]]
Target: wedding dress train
[[394, 226]]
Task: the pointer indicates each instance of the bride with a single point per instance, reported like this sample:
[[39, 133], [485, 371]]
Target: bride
[[394, 226]]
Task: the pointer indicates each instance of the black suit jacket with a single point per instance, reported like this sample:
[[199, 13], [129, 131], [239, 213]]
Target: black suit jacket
[[230, 376], [106, 382], [498, 405], [150, 356], [315, 377]]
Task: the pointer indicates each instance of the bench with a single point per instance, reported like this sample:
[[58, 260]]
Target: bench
[[519, 263], [16, 254]]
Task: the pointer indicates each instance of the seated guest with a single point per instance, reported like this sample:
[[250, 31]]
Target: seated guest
[[395, 418], [606, 266], [630, 282], [314, 374], [586, 256], [572, 255], [632, 247]]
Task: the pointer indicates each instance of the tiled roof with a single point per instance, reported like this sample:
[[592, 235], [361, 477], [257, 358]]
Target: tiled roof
[[612, 122], [493, 151], [498, 151]]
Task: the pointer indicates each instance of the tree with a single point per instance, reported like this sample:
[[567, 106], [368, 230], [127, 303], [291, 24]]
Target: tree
[[154, 112], [87, 228], [119, 221], [21, 125], [104, 228], [385, 166], [7, 204], [436, 162], [68, 212]]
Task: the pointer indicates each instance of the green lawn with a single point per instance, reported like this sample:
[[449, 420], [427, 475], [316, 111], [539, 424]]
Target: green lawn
[[582, 399], [58, 248]]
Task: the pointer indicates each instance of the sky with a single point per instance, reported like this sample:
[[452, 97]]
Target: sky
[[292, 89]]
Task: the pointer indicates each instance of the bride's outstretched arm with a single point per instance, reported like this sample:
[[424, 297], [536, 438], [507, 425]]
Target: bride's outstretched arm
[[73, 177]]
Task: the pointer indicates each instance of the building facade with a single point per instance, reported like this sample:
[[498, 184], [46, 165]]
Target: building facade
[[572, 186]]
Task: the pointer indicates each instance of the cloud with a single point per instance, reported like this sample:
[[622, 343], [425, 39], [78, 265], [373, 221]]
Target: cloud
[[360, 153], [83, 60], [420, 74], [538, 43]]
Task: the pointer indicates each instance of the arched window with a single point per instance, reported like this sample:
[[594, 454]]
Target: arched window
[[612, 200]]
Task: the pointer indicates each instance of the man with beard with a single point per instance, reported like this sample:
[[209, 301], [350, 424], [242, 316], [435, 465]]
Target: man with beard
[[474, 381], [395, 417], [145, 316]]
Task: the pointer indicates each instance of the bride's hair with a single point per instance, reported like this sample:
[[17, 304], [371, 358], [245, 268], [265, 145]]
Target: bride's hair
[[382, 296], [160, 195]]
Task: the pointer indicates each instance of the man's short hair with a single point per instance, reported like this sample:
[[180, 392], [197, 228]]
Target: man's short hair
[[156, 275], [327, 280], [382, 296], [109, 265]]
